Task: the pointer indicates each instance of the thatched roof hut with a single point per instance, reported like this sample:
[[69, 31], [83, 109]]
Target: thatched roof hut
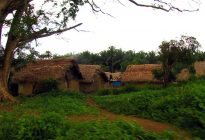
[[62, 70], [140, 73], [93, 78]]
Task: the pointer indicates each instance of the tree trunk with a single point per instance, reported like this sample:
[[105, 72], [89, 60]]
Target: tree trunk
[[165, 79], [166, 75], [8, 56], [5, 95]]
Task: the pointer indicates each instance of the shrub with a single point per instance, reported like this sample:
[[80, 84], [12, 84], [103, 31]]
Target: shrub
[[104, 92], [116, 91], [129, 88], [158, 74]]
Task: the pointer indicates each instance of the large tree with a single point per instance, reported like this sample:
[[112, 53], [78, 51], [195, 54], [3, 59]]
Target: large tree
[[176, 55], [112, 58], [25, 21]]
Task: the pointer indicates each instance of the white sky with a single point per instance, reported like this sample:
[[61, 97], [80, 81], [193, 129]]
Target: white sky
[[132, 28]]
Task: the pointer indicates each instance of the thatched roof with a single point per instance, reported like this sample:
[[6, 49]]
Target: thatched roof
[[200, 68], [90, 71], [59, 69], [116, 76], [140, 73], [183, 75]]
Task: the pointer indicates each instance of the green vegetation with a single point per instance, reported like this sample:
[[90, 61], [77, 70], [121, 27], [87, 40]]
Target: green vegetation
[[114, 59], [174, 56], [128, 88], [125, 89], [54, 126], [182, 105], [45, 116], [63, 103]]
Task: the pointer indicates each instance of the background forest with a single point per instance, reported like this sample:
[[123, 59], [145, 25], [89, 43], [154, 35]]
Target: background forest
[[112, 59]]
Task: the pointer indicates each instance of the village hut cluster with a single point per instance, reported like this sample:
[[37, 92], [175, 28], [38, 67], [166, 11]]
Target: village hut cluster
[[86, 78], [69, 75]]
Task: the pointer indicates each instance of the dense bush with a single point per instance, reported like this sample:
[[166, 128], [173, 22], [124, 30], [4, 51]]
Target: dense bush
[[182, 105], [54, 126]]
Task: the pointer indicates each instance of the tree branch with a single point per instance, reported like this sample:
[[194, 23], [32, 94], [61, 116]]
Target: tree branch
[[160, 7], [44, 33], [96, 8], [60, 31]]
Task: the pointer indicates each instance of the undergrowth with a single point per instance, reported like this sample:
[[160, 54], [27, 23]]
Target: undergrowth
[[182, 105], [54, 126]]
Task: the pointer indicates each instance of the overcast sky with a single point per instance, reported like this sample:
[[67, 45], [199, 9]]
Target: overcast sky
[[130, 28]]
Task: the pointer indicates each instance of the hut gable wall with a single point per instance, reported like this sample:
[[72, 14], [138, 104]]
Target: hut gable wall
[[74, 85], [98, 82], [25, 89], [93, 78]]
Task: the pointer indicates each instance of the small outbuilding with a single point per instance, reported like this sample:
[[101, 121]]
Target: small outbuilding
[[64, 71], [94, 78], [115, 79]]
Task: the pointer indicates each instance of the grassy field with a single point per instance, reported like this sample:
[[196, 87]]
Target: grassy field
[[182, 105], [59, 102], [45, 117]]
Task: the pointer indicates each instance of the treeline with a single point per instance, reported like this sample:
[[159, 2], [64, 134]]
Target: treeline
[[114, 59]]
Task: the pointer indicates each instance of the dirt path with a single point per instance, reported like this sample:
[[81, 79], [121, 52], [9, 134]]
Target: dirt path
[[148, 125]]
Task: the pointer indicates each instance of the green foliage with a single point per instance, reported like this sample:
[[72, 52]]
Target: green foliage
[[63, 103], [158, 74], [86, 57], [116, 91], [176, 55], [200, 56], [114, 59], [54, 126], [182, 105]]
